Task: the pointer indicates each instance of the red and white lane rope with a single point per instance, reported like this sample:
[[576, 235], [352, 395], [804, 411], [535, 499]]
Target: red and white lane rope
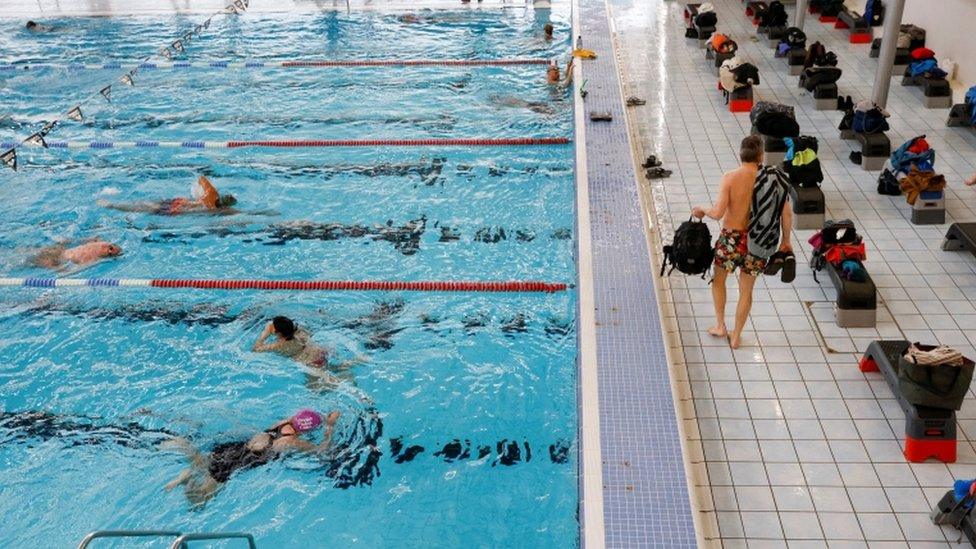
[[530, 286], [294, 63], [292, 143]]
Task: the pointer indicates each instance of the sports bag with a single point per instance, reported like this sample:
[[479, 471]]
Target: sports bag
[[777, 124], [761, 107], [691, 251], [888, 184], [816, 76], [840, 253], [706, 19], [796, 38], [936, 386]]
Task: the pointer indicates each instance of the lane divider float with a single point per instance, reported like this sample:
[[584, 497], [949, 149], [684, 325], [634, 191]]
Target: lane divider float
[[512, 286], [298, 63], [294, 143]]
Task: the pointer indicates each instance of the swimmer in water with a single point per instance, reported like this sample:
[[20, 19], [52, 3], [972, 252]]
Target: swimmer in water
[[296, 343], [534, 106], [35, 27], [548, 31], [208, 472], [209, 202], [59, 256], [552, 74]]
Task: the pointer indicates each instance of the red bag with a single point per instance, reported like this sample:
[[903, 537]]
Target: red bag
[[842, 252], [919, 54], [919, 146]]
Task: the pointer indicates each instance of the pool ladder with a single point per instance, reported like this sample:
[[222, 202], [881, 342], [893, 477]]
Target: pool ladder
[[180, 542]]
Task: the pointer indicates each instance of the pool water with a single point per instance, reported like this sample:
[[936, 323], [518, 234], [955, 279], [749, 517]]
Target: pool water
[[475, 393]]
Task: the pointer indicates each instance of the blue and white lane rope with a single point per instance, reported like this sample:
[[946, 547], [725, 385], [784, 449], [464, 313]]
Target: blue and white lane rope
[[294, 143]]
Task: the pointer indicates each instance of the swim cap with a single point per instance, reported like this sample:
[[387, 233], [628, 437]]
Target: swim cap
[[306, 420]]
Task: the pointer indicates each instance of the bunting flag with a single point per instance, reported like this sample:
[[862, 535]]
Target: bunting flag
[[75, 114], [10, 159], [36, 139]]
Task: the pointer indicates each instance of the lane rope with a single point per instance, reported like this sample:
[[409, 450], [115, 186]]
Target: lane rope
[[293, 143], [526, 286], [296, 63]]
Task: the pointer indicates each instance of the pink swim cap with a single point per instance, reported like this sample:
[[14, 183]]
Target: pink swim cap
[[306, 420]]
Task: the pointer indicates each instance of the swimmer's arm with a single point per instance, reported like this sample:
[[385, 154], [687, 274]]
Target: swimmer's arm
[[260, 346], [568, 79], [130, 207], [209, 192]]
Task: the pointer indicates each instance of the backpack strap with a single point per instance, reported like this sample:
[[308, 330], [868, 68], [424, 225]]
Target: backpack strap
[[667, 257]]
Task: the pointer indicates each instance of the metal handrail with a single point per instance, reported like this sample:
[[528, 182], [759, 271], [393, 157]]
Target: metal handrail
[[180, 542], [127, 534]]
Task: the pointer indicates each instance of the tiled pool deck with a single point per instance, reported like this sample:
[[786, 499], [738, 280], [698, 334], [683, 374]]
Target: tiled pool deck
[[791, 444]]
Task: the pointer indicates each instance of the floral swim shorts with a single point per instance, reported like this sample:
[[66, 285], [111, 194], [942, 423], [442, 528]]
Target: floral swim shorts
[[732, 252]]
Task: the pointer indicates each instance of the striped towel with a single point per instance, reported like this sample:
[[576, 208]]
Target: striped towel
[[768, 197]]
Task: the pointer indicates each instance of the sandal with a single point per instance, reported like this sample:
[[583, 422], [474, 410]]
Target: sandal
[[651, 162], [775, 263], [789, 268], [658, 173], [634, 101]]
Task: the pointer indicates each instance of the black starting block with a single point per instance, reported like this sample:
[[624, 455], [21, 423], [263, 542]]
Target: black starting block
[[857, 302], [960, 236], [825, 97], [938, 93], [809, 207], [875, 150], [959, 116], [795, 59], [929, 432]]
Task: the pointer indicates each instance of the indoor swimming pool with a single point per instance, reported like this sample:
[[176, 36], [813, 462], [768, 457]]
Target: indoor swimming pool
[[459, 423]]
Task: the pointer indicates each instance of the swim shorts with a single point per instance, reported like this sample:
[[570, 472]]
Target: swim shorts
[[732, 252]]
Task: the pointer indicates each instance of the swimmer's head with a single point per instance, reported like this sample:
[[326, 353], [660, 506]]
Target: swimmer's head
[[548, 30], [284, 326], [106, 249], [552, 73], [306, 420], [226, 201], [31, 25]]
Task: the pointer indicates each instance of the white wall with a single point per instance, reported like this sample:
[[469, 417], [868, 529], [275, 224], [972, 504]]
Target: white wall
[[949, 26]]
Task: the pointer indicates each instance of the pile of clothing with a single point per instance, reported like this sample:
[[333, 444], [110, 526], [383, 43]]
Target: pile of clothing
[[839, 245], [818, 56], [910, 37], [924, 64], [802, 164], [734, 74], [774, 16], [704, 19], [865, 117], [914, 154], [918, 182], [794, 39]]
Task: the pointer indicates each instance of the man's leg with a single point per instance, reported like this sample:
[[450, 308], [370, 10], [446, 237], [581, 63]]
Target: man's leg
[[718, 298], [746, 283]]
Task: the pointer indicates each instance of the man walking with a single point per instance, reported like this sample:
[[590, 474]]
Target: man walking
[[733, 249]]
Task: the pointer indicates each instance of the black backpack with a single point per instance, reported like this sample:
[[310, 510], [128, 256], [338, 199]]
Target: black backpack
[[691, 251]]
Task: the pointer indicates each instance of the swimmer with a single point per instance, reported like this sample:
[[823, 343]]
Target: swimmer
[[296, 343], [552, 74], [534, 106], [35, 27], [208, 472], [210, 202], [59, 256], [548, 31], [408, 18]]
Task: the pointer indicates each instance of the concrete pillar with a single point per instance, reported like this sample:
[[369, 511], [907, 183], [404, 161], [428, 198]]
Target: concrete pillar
[[886, 57], [801, 14]]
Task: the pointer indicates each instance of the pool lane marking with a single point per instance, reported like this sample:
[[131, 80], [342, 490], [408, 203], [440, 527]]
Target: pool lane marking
[[297, 143], [296, 63], [524, 286]]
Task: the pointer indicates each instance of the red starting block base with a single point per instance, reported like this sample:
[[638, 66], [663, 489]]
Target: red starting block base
[[838, 24], [749, 12], [828, 19], [917, 451], [867, 364], [740, 105], [861, 37]]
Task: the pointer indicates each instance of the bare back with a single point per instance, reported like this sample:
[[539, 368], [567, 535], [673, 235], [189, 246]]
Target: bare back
[[738, 184]]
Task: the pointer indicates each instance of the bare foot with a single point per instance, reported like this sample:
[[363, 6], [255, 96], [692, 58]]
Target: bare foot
[[179, 480], [735, 341], [718, 331], [971, 181]]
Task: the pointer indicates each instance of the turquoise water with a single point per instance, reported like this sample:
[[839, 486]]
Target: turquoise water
[[120, 370]]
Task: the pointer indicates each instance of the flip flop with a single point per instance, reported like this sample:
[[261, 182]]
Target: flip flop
[[651, 162], [633, 101], [774, 263], [658, 173], [789, 268]]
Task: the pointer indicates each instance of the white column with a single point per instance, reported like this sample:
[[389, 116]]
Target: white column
[[886, 57]]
